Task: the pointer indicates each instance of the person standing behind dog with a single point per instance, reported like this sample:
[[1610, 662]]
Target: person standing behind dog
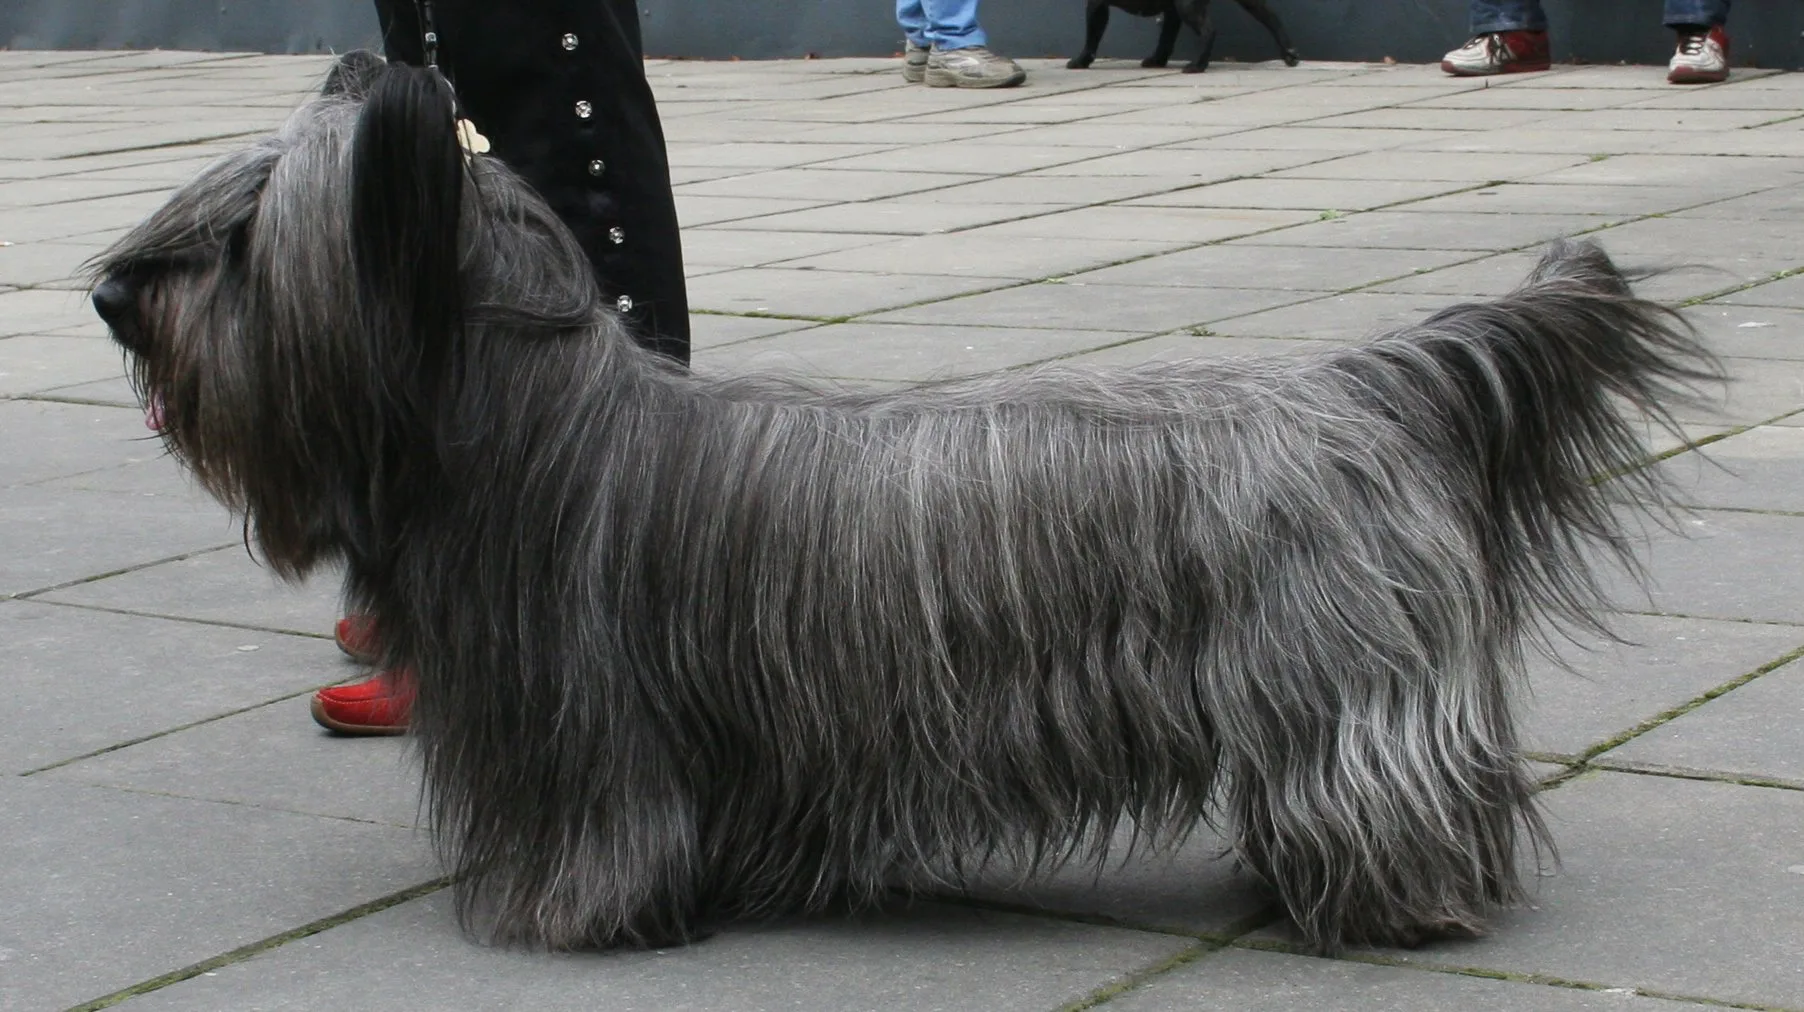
[[557, 88], [947, 48], [1510, 36]]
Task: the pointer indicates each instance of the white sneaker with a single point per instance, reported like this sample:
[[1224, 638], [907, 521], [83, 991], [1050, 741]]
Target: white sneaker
[[1701, 58], [914, 62], [972, 67], [1499, 53]]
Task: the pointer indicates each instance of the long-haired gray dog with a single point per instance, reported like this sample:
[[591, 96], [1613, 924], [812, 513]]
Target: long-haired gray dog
[[692, 649]]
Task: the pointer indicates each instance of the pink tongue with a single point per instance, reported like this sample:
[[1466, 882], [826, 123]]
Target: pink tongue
[[153, 415]]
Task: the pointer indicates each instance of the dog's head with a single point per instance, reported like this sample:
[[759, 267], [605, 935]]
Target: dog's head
[[294, 317]]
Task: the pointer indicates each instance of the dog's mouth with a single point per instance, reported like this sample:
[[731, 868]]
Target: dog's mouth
[[153, 413]]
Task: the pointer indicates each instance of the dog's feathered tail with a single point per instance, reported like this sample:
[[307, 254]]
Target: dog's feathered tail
[[1537, 382], [1398, 811]]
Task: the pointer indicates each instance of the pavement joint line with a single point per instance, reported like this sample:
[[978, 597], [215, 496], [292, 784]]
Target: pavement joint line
[[1133, 980], [234, 803], [1485, 973], [1653, 613], [185, 142], [1669, 715], [1778, 275], [27, 595], [1747, 511], [166, 732], [258, 948], [148, 188], [1236, 928], [1689, 773], [215, 623]]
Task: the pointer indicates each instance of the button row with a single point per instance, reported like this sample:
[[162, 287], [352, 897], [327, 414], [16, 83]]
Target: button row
[[584, 110]]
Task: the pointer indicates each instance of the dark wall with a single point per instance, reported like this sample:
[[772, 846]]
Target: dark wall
[[1766, 32]]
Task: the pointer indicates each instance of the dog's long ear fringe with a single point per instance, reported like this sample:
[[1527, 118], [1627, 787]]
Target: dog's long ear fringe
[[407, 183]]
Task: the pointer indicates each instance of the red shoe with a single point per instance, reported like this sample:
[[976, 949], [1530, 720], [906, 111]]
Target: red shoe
[[376, 705], [356, 636]]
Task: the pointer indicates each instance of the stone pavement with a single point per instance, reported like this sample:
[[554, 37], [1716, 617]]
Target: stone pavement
[[176, 834]]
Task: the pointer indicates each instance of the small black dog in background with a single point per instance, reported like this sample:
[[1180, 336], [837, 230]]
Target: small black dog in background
[[1172, 13]]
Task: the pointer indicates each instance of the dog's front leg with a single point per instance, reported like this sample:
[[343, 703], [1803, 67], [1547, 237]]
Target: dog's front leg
[[1264, 15], [1169, 23], [1196, 14], [1096, 21]]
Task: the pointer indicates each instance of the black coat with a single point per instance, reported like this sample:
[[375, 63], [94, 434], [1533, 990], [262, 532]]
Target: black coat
[[558, 87]]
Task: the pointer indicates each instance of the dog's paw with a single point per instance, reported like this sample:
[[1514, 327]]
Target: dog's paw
[[1078, 62], [1195, 68], [1154, 63], [1292, 58]]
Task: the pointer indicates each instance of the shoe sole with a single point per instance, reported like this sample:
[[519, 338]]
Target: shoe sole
[[1447, 66], [1697, 77], [359, 656], [944, 79], [325, 720], [914, 75]]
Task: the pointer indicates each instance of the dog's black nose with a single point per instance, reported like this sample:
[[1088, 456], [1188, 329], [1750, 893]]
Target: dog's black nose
[[115, 299]]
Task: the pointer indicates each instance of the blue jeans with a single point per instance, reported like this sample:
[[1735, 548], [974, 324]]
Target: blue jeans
[[948, 24], [1526, 15]]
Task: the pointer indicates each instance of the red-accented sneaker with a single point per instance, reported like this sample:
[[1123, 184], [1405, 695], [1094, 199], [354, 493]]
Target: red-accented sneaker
[[376, 705], [356, 636], [1701, 57], [1499, 53]]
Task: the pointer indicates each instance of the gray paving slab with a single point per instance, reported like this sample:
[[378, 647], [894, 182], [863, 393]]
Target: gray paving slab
[[51, 265], [1616, 202], [1195, 888], [1056, 192], [1307, 194], [1749, 732], [694, 210], [1343, 318], [106, 888], [1204, 163], [818, 184], [1751, 331], [824, 293], [82, 680], [228, 587], [272, 757], [1077, 305], [1447, 231], [920, 214], [35, 312], [999, 251], [928, 957], [1594, 691], [1785, 292], [54, 440], [1166, 347], [1655, 872], [1721, 564], [32, 364], [726, 246], [55, 536], [1187, 225], [1759, 469], [708, 330], [903, 351], [1243, 980], [1408, 166], [1301, 268]]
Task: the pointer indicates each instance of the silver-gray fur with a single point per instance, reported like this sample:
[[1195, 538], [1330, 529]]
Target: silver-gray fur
[[692, 649]]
